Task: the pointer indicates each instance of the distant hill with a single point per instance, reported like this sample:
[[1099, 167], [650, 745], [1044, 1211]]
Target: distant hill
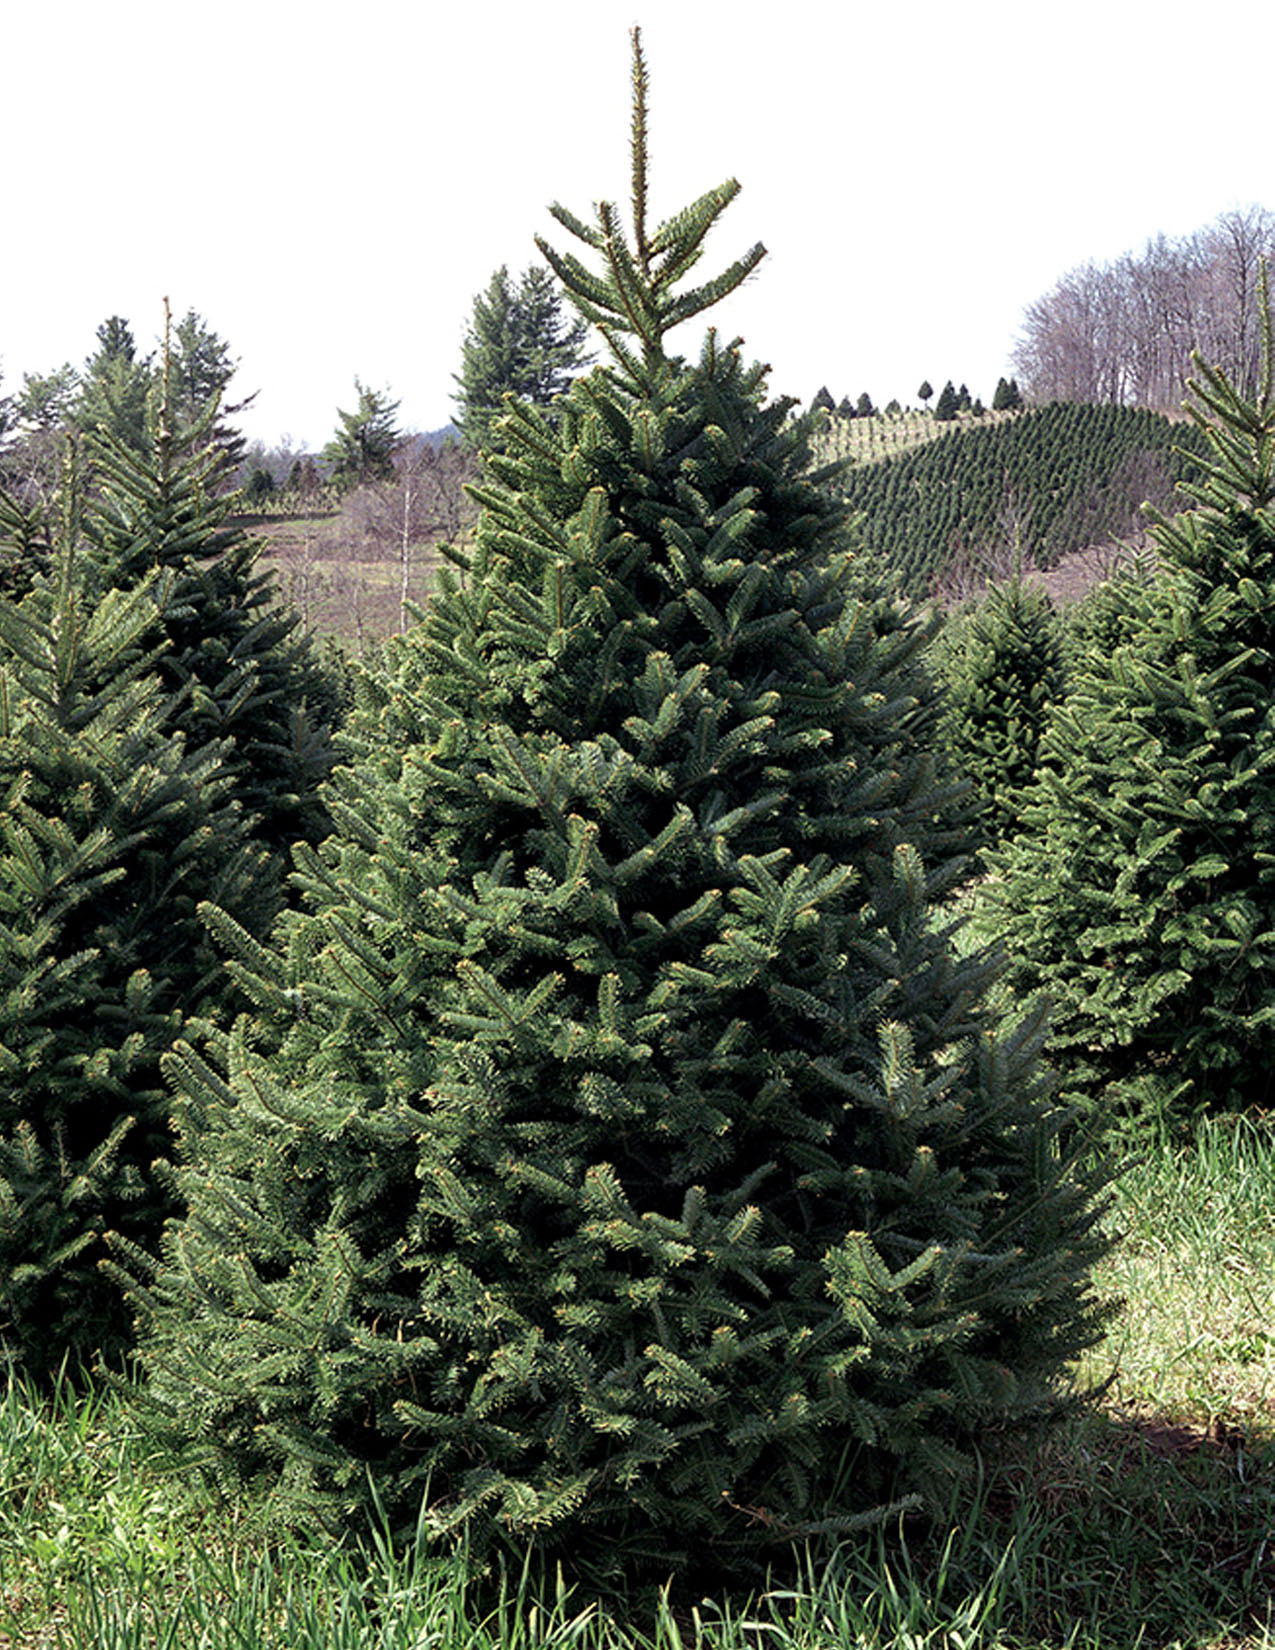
[[1054, 479]]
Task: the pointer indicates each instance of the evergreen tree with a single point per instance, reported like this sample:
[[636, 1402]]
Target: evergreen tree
[[1006, 398], [822, 400], [925, 392], [115, 388], [362, 449], [619, 1156], [864, 406], [1140, 892], [1002, 669], [947, 405], [200, 369], [963, 401], [520, 342], [247, 682], [113, 830]]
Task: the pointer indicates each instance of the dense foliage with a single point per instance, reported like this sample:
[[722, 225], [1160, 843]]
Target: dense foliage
[[1140, 892], [155, 751], [619, 1156], [1057, 478], [1002, 669]]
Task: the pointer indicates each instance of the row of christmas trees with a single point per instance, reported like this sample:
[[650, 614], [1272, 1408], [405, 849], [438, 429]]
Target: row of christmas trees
[[1055, 479], [600, 1142]]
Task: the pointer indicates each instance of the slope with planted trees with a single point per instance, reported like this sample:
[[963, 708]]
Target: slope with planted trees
[[1063, 477]]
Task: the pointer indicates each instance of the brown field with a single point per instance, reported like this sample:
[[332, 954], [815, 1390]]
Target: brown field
[[353, 591]]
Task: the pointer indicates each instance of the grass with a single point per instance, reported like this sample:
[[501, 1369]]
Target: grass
[[1146, 1520]]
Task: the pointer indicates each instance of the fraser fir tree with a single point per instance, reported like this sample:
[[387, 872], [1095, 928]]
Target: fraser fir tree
[[619, 1157], [246, 680], [115, 388], [1140, 892], [200, 368], [1002, 671], [157, 746], [363, 447], [948, 404], [113, 830]]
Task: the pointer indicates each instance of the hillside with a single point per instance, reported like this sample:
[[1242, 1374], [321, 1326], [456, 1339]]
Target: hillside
[[1053, 480]]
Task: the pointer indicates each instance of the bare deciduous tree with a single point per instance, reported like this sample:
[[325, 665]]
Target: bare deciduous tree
[[424, 503], [1123, 332]]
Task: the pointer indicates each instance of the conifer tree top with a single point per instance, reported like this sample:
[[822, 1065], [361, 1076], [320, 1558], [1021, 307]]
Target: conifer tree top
[[637, 293]]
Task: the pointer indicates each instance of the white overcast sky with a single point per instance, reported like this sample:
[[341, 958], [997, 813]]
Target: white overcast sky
[[330, 184]]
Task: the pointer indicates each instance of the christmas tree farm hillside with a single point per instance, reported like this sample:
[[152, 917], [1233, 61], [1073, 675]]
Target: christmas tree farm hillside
[[618, 1157], [1140, 893]]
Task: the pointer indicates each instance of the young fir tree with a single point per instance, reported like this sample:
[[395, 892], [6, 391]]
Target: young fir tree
[[247, 679], [114, 392], [113, 830], [619, 1156], [948, 405], [1002, 670], [1140, 892]]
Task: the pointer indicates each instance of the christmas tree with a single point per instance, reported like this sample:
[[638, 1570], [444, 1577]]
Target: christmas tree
[[156, 749], [244, 678], [113, 830], [619, 1156], [1139, 894], [1002, 669]]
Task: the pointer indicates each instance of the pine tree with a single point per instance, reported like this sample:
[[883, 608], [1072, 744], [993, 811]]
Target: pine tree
[[947, 406], [200, 368], [1140, 893], [362, 449], [115, 388], [619, 1157], [520, 342], [248, 681], [822, 400], [925, 392]]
